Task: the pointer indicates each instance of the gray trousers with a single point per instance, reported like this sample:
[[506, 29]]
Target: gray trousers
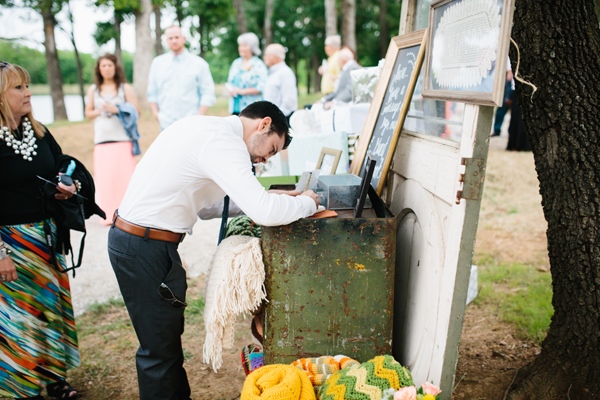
[[141, 265]]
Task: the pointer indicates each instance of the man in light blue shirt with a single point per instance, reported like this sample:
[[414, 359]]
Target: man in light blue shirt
[[280, 88], [180, 83]]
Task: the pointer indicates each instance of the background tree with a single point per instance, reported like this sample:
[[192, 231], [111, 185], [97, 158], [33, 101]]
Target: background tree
[[122, 10], [349, 23], [48, 9], [240, 16], [71, 34], [268, 25], [156, 9], [330, 18], [143, 50], [559, 53]]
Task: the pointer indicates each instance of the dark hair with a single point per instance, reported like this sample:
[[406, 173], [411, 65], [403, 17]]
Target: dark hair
[[262, 109], [119, 72]]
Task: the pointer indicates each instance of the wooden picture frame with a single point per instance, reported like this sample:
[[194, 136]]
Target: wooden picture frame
[[467, 51], [390, 105], [329, 160]]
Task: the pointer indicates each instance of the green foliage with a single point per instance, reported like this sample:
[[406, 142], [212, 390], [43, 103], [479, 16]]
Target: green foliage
[[30, 59], [68, 66], [34, 61], [105, 32], [521, 293]]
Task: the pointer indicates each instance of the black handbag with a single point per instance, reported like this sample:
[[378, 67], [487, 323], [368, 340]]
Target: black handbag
[[69, 214]]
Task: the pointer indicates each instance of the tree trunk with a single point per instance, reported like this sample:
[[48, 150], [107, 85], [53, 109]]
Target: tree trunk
[[349, 23], [559, 45], [143, 51], [384, 28], [330, 18], [118, 48], [268, 29], [158, 48], [77, 57], [178, 11], [315, 62], [54, 76], [240, 16]]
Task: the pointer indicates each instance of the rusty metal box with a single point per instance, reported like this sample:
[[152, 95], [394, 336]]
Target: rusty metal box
[[330, 286]]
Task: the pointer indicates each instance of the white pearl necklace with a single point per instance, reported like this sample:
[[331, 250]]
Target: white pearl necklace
[[26, 146]]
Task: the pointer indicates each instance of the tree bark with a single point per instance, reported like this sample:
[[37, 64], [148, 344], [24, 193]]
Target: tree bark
[[349, 23], [143, 51], [384, 28], [268, 28], [559, 45], [240, 16], [118, 48], [330, 18], [77, 57], [158, 48], [54, 76]]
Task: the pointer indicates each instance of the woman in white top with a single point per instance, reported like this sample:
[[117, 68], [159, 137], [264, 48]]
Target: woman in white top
[[113, 159]]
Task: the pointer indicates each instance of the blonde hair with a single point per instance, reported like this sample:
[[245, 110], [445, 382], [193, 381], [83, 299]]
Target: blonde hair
[[12, 75]]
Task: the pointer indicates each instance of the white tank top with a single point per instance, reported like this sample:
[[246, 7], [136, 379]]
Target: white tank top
[[108, 128]]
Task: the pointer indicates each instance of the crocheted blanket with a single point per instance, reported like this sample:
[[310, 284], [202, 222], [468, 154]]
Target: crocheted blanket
[[235, 285]]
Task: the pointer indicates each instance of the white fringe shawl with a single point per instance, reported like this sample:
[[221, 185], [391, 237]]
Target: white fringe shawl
[[235, 285]]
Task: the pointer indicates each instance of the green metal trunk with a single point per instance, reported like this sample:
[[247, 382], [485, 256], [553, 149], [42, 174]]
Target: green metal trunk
[[330, 286]]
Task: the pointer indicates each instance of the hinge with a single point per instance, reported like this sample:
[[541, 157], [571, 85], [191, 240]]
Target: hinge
[[471, 182]]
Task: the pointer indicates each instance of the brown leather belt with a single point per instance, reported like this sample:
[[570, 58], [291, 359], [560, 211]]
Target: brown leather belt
[[149, 233]]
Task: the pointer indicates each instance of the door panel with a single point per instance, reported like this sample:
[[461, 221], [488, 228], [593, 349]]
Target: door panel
[[434, 237]]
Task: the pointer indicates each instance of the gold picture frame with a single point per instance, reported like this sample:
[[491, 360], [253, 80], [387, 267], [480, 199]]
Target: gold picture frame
[[468, 50], [390, 105], [329, 160]]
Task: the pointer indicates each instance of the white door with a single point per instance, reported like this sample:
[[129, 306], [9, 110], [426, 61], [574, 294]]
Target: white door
[[434, 189]]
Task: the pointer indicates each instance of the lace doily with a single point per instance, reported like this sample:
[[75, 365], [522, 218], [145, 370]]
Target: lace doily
[[465, 43]]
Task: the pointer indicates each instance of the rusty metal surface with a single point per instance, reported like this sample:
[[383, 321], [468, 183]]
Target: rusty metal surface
[[330, 288]]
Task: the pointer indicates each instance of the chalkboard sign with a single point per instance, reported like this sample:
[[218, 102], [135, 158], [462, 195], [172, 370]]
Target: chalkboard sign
[[389, 106]]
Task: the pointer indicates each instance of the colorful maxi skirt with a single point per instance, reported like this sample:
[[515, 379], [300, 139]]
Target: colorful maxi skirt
[[38, 338]]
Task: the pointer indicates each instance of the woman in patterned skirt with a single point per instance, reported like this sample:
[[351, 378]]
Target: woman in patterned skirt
[[38, 338]]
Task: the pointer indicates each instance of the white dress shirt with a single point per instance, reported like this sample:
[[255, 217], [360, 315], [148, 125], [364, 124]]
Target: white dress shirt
[[281, 89], [179, 84], [191, 166]]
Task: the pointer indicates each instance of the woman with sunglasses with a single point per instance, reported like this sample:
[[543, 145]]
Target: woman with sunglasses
[[38, 338]]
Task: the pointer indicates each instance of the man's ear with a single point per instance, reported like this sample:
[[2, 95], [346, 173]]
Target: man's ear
[[265, 123]]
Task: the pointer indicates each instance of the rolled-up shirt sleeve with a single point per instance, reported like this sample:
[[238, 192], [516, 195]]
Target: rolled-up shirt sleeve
[[244, 189]]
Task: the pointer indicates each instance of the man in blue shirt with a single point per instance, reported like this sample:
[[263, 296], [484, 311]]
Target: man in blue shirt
[[180, 83]]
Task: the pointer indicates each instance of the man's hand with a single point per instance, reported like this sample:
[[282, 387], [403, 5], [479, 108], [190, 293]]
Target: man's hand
[[312, 195]]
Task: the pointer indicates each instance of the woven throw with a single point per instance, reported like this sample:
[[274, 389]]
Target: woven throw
[[235, 285], [277, 382], [318, 369], [367, 381]]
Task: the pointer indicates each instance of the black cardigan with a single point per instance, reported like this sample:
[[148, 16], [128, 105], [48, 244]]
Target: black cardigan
[[20, 195]]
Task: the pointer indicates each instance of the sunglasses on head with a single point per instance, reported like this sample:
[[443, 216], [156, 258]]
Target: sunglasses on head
[[4, 64], [167, 294]]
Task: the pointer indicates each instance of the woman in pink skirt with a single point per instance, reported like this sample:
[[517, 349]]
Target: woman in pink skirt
[[114, 161]]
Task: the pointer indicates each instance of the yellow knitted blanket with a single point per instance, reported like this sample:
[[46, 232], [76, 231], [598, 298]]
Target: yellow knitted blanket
[[277, 382]]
